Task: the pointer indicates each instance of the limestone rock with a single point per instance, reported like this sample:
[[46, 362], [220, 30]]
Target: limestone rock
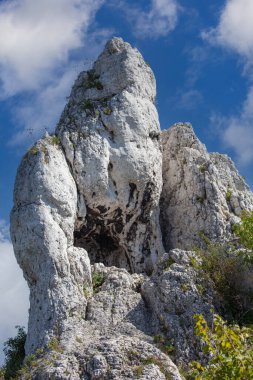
[[203, 194], [42, 226], [174, 293], [86, 232], [115, 340], [110, 134]]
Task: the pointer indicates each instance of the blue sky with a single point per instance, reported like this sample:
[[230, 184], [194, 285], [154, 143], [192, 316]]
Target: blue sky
[[200, 51]]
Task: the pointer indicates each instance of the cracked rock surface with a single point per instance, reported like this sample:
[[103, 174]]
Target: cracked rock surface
[[203, 194], [106, 301]]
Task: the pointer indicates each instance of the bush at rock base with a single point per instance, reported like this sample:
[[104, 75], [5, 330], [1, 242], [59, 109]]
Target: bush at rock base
[[14, 349], [230, 349]]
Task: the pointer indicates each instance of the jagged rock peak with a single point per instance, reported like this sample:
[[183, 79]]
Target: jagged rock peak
[[203, 194]]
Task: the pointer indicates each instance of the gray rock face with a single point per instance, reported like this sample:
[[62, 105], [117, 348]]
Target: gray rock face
[[42, 226], [203, 194], [174, 293], [110, 134], [86, 232]]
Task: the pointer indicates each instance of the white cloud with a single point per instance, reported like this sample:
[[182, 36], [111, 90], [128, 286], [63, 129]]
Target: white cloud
[[235, 32], [13, 289], [158, 21], [43, 47], [235, 28], [41, 112], [237, 131], [37, 37]]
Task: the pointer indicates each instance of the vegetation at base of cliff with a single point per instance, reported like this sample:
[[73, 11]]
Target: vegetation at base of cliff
[[232, 278], [14, 350], [244, 231], [230, 269], [228, 347], [230, 350]]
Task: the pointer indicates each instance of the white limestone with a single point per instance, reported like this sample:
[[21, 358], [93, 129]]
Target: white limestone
[[203, 194]]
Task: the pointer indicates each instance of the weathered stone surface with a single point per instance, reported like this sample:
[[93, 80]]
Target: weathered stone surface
[[42, 225], [202, 193], [174, 293], [115, 339], [85, 229], [110, 133]]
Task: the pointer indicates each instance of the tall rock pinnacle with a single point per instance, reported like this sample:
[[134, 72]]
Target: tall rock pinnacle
[[95, 187]]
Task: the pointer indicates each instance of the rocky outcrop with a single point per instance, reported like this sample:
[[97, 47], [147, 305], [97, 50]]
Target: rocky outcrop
[[95, 186], [175, 292], [110, 135], [203, 194], [106, 301]]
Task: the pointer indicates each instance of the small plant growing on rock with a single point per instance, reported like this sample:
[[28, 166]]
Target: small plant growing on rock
[[245, 233], [54, 345], [228, 195], [55, 140], [93, 80], [203, 168], [107, 111], [88, 105], [33, 150], [98, 279], [229, 275]]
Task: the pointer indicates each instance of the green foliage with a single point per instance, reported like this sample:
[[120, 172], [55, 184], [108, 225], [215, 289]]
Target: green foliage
[[203, 167], [168, 263], [88, 105], [230, 350], [33, 150], [204, 238], [200, 199], [98, 279], [231, 277], [14, 350], [245, 233], [107, 111], [55, 140], [54, 345], [185, 287], [93, 80], [86, 291], [228, 195], [166, 345]]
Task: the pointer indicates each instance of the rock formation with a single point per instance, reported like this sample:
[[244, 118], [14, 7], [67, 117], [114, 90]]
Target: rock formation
[[86, 229], [203, 194]]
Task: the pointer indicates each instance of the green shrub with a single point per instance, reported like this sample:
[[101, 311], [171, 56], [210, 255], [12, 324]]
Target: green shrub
[[230, 350], [33, 150], [93, 80], [228, 195], [88, 105], [245, 233], [231, 277], [54, 345], [14, 350], [98, 279], [55, 140]]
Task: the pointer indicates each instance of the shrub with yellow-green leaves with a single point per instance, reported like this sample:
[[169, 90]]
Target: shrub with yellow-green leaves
[[230, 351], [244, 231]]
